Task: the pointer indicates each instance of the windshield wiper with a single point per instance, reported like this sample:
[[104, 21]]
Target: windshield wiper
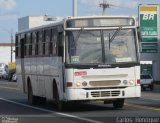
[[115, 34], [78, 35]]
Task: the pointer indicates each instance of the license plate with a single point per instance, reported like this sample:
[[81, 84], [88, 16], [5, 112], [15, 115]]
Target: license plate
[[145, 85]]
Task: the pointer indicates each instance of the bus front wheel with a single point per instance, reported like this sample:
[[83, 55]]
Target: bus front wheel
[[59, 104], [118, 103]]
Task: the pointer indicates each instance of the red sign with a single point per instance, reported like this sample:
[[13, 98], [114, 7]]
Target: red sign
[[80, 73]]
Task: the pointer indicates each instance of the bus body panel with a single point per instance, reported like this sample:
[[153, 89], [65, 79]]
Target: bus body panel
[[19, 74], [99, 80], [41, 71]]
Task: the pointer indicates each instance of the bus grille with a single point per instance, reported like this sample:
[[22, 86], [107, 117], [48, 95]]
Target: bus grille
[[105, 93], [105, 83]]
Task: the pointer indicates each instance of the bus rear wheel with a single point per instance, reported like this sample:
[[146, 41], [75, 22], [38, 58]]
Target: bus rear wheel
[[31, 98], [118, 103], [151, 87]]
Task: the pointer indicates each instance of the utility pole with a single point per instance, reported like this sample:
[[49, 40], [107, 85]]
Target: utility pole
[[104, 6], [11, 45], [74, 8]]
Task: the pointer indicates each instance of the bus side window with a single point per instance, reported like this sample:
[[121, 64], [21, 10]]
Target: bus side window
[[53, 48], [44, 42], [30, 44], [33, 43], [40, 51], [47, 41], [60, 44], [25, 46], [37, 43], [51, 43], [22, 47], [17, 46]]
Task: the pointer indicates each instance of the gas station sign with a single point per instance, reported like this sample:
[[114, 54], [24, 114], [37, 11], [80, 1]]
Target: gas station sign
[[148, 21]]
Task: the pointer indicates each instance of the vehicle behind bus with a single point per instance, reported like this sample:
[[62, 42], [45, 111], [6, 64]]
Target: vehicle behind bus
[[3, 71]]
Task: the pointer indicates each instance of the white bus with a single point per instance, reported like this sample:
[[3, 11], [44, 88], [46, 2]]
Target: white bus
[[80, 59]]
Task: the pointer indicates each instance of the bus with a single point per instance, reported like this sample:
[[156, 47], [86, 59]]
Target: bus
[[78, 59]]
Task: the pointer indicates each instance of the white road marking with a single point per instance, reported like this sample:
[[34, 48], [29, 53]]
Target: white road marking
[[46, 110], [30, 116], [10, 88]]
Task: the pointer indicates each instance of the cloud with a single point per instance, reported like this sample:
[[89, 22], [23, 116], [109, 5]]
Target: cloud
[[7, 10], [7, 4]]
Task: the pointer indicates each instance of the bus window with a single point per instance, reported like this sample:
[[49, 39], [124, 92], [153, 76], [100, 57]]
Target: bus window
[[47, 41], [40, 52], [22, 48], [48, 35], [25, 45], [53, 50], [44, 44], [37, 40], [60, 44], [33, 43], [51, 43], [30, 45], [17, 46]]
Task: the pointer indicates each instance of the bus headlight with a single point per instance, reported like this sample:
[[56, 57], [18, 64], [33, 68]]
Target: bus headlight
[[131, 82], [78, 84]]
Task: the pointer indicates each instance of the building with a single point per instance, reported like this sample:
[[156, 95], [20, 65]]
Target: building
[[28, 22], [5, 52], [149, 22]]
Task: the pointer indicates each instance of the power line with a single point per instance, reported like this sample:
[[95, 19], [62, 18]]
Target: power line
[[104, 6]]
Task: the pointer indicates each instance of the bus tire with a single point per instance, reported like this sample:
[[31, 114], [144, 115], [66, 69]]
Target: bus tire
[[31, 98], [43, 100], [143, 88], [151, 87], [118, 103], [59, 104]]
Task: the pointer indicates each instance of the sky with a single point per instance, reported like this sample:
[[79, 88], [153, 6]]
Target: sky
[[11, 10]]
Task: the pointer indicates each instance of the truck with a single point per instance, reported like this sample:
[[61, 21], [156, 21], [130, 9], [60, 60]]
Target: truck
[[11, 70]]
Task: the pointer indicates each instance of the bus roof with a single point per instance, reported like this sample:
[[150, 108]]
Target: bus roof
[[43, 26], [70, 18]]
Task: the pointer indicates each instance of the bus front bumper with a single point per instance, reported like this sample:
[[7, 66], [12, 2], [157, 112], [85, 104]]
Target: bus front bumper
[[102, 94]]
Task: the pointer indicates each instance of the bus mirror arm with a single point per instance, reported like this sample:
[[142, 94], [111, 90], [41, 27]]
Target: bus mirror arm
[[139, 34]]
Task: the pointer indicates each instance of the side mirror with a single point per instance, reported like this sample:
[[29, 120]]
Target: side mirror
[[139, 34]]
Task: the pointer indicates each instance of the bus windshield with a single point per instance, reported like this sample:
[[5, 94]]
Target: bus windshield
[[114, 46]]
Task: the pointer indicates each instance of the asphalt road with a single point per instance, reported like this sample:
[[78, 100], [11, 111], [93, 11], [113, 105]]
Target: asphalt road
[[14, 108]]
